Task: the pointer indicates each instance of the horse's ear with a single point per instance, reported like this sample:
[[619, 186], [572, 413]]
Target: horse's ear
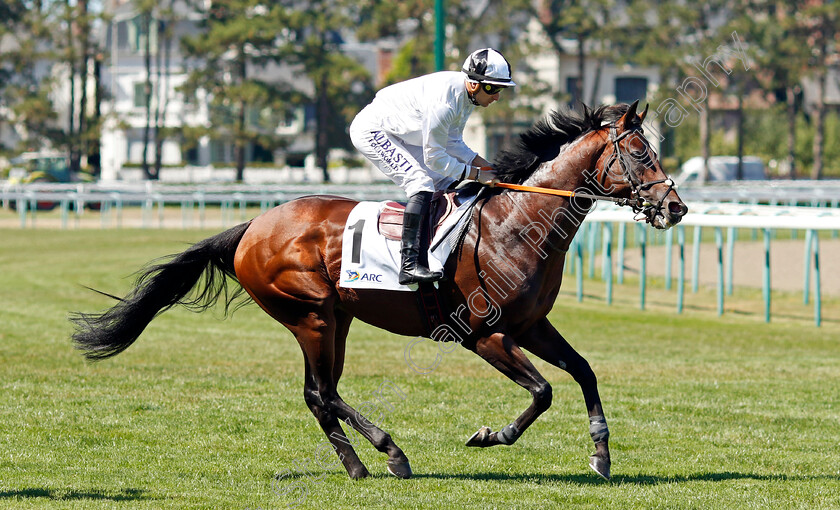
[[629, 118], [644, 114]]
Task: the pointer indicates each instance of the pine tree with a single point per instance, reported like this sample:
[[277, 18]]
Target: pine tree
[[819, 21], [239, 39], [341, 85], [780, 57], [27, 30]]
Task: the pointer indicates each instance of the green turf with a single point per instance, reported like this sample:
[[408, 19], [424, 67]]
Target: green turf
[[705, 411]]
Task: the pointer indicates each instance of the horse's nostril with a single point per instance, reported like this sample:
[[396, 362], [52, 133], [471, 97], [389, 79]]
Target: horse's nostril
[[677, 208]]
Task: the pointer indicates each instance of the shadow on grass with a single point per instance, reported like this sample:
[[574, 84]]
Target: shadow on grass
[[65, 495], [579, 479], [717, 477], [639, 479]]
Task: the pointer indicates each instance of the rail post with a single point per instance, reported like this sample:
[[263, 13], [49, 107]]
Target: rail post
[[766, 286], [642, 264], [695, 269], [622, 237], [731, 235], [719, 244], [607, 260], [806, 280], [669, 241], [579, 268], [681, 275]]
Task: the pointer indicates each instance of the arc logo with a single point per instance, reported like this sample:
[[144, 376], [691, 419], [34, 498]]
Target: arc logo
[[353, 276]]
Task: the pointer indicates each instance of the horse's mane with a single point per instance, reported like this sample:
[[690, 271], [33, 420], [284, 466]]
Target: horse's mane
[[543, 140]]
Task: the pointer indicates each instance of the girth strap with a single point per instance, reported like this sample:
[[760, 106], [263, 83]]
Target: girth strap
[[431, 306]]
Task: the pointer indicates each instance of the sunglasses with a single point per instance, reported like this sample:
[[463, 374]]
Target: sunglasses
[[491, 89]]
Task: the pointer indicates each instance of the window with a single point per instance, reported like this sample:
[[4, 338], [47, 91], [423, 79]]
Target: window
[[140, 94], [137, 34], [571, 89], [191, 156], [629, 89]]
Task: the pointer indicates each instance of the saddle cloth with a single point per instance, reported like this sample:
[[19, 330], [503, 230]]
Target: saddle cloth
[[371, 259]]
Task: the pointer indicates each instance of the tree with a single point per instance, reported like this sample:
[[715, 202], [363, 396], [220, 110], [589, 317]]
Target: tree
[[587, 23], [503, 25], [240, 38], [27, 29], [694, 52], [780, 57], [11, 17], [341, 85], [497, 23], [147, 15], [157, 25], [77, 49], [48, 45], [821, 23], [163, 56], [411, 21]]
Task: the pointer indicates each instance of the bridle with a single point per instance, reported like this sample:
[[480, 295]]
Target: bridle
[[639, 204]]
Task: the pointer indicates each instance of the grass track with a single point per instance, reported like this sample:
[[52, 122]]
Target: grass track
[[705, 412]]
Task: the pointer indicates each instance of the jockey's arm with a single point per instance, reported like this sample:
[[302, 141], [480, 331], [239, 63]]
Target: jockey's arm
[[479, 161]]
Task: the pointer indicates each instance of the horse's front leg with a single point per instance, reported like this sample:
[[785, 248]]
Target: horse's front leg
[[544, 341], [501, 351]]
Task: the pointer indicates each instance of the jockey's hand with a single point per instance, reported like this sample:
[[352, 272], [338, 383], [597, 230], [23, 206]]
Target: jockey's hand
[[487, 176], [484, 174]]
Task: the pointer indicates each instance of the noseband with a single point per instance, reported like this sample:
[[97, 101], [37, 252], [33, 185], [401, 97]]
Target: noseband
[[639, 204]]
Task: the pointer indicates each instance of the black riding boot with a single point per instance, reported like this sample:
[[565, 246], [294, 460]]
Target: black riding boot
[[414, 220]]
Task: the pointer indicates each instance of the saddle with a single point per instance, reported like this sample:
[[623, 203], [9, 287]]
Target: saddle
[[390, 223]]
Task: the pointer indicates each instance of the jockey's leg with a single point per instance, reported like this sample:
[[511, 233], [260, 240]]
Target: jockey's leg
[[400, 163], [414, 241]]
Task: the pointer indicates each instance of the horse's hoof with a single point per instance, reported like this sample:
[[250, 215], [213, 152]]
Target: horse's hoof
[[358, 474], [480, 438], [600, 466], [400, 469]]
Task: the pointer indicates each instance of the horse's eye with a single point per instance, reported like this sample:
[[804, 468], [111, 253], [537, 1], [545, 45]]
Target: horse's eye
[[640, 157]]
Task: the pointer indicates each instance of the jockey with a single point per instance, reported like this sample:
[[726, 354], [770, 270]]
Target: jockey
[[413, 132]]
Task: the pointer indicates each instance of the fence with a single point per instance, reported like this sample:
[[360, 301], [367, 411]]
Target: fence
[[765, 219], [110, 200], [781, 192], [150, 195], [151, 198]]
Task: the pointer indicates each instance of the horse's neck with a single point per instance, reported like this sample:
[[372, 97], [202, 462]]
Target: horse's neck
[[557, 219], [573, 167]]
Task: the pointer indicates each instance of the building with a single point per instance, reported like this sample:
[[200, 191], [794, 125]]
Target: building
[[124, 78]]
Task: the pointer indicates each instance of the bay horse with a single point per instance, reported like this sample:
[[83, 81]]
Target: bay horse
[[510, 259]]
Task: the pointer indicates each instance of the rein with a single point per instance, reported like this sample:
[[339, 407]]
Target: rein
[[560, 192]]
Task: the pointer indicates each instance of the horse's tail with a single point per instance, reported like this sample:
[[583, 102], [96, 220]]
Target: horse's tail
[[160, 287]]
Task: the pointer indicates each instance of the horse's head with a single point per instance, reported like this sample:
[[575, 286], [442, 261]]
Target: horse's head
[[629, 168]]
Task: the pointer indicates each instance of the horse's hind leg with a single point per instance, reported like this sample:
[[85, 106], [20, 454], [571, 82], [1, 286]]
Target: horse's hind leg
[[331, 427], [316, 339], [545, 342], [322, 337]]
